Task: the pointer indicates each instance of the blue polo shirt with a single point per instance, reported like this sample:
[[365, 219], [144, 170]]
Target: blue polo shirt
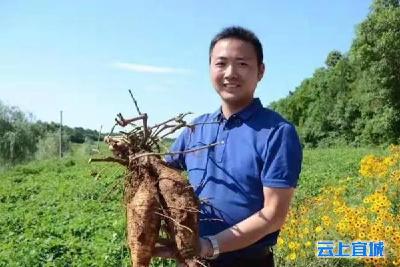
[[258, 148]]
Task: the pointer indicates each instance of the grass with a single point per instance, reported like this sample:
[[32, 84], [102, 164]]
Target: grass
[[326, 166], [55, 212], [64, 212]]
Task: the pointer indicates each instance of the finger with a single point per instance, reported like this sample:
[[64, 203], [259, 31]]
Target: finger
[[163, 252], [165, 242]]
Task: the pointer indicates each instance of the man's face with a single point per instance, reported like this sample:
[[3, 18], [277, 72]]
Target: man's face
[[234, 71]]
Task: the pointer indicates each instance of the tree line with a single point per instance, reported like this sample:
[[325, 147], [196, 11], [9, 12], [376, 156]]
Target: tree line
[[355, 98], [23, 139]]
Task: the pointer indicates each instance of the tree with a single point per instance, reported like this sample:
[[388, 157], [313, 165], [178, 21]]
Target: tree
[[376, 55], [333, 58], [356, 99], [17, 140]]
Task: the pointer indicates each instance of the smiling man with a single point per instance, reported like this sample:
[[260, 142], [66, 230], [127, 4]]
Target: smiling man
[[248, 180]]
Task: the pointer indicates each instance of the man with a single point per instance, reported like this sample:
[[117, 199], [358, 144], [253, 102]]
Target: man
[[247, 181]]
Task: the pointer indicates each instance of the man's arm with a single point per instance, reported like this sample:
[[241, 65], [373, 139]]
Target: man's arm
[[268, 220]]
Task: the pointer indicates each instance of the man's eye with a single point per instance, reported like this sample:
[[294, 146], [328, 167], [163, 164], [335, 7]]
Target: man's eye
[[220, 64], [243, 64]]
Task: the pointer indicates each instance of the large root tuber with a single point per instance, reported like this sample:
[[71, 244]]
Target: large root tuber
[[155, 194], [181, 204], [143, 224]]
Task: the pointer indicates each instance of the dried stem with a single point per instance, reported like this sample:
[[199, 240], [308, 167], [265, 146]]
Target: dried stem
[[134, 101], [175, 152], [111, 159], [145, 129], [199, 262], [201, 123], [177, 127], [179, 117], [124, 122], [172, 219], [189, 210], [112, 129]]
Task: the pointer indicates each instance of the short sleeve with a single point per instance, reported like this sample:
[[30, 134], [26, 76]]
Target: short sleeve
[[180, 144], [282, 158]]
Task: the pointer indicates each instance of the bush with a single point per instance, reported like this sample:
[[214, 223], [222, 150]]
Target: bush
[[49, 145], [17, 140]]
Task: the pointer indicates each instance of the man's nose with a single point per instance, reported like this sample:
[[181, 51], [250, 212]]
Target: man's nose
[[230, 71]]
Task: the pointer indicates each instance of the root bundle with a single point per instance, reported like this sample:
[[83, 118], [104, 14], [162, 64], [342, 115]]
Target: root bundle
[[158, 197]]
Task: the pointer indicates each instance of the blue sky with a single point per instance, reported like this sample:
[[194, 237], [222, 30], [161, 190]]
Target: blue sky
[[83, 56]]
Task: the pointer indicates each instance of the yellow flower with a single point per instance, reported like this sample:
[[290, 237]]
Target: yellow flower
[[293, 245], [389, 161], [325, 218], [318, 229], [292, 256]]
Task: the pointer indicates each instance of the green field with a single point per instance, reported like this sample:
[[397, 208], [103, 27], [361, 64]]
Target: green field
[[70, 213]]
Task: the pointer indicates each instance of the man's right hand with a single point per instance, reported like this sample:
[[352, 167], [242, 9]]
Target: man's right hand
[[165, 248], [165, 251]]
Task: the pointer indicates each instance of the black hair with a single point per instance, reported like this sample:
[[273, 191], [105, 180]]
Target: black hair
[[240, 33]]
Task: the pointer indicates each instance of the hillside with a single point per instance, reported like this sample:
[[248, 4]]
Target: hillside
[[354, 99]]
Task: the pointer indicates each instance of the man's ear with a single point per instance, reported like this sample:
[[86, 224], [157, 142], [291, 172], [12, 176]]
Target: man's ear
[[261, 71]]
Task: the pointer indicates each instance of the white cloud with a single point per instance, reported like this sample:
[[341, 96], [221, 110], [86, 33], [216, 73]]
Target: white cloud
[[148, 68]]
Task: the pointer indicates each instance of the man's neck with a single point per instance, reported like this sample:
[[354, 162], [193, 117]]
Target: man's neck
[[228, 109]]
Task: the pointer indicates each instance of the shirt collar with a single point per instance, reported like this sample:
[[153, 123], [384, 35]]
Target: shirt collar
[[244, 114]]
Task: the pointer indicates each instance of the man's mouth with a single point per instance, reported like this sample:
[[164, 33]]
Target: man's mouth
[[231, 85]]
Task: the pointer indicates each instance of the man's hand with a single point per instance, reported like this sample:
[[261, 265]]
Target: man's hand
[[206, 249], [165, 248]]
